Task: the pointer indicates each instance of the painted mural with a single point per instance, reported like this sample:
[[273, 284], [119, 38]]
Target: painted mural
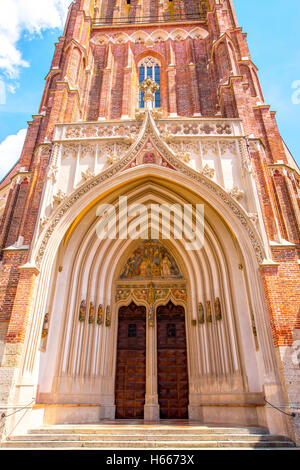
[[150, 260]]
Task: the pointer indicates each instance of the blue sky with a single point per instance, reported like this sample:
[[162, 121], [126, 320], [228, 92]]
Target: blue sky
[[273, 37]]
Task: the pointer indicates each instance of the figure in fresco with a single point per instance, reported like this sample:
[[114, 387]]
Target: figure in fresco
[[144, 268], [166, 267], [150, 260], [129, 268], [149, 158]]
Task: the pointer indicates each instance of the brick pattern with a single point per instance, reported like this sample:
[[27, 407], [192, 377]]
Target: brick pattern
[[282, 288], [9, 279]]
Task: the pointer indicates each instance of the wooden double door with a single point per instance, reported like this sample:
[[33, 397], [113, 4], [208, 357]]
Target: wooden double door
[[131, 363], [172, 374]]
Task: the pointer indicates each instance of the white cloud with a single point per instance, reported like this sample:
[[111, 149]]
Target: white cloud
[[30, 17], [10, 151]]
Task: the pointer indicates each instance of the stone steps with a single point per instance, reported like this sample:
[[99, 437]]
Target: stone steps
[[145, 437], [144, 444], [145, 429], [148, 438]]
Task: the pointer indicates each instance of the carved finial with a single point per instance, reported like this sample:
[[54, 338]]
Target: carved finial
[[149, 87]]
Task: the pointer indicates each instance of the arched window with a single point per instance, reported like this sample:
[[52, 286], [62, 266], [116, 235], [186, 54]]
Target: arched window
[[149, 67]]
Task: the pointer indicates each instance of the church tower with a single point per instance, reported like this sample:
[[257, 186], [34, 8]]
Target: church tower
[[151, 105]]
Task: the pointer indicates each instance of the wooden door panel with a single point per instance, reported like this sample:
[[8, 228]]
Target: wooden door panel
[[130, 386], [172, 362]]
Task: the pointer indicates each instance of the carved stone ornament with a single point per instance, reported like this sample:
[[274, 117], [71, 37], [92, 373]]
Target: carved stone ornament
[[88, 174], [44, 150], [59, 196], [209, 313], [218, 309], [157, 113], [45, 326], [208, 172], [82, 311], [52, 173], [201, 314], [246, 159], [91, 313], [151, 293], [236, 193], [108, 316], [185, 157], [43, 222], [149, 87], [228, 146], [151, 316], [87, 149], [210, 147], [100, 315], [69, 149], [253, 217], [112, 158]]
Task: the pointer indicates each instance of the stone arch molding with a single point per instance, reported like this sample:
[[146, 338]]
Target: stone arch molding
[[171, 168], [197, 33]]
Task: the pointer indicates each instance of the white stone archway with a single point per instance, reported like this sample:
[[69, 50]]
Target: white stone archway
[[215, 272]]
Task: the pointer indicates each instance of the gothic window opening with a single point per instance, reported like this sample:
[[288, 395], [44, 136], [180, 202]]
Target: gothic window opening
[[150, 67]]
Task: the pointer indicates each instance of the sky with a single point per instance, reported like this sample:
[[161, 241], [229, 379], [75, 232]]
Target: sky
[[29, 29]]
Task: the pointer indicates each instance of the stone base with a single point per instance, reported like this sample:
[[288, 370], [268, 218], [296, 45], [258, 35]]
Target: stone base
[[151, 412], [230, 415], [108, 412], [195, 413], [66, 414]]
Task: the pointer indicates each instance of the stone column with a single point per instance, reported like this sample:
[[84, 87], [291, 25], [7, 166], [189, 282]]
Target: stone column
[[151, 409], [108, 360]]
